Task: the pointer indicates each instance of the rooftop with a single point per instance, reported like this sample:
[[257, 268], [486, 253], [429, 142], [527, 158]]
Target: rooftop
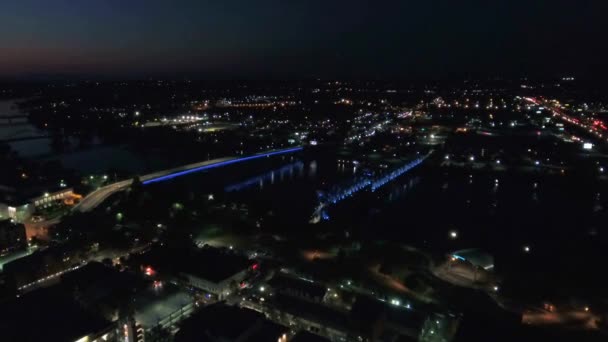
[[156, 303], [305, 336], [298, 286], [328, 316], [218, 321], [367, 310], [49, 314], [268, 331], [215, 265], [209, 263], [24, 195]]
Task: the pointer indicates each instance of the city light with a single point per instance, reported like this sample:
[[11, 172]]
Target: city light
[[382, 167]]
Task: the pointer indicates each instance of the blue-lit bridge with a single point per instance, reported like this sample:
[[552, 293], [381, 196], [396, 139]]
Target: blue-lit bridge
[[361, 183], [96, 197]]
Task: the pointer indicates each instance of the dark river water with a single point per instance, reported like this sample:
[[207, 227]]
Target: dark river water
[[547, 232], [493, 211]]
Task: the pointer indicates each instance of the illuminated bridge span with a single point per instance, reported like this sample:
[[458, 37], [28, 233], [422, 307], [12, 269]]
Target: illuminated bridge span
[[188, 170], [396, 173], [327, 199], [340, 194], [97, 197], [281, 172]]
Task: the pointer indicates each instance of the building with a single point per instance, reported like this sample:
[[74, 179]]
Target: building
[[302, 289], [21, 204], [46, 199], [220, 322], [12, 236], [104, 290], [317, 318], [14, 206], [216, 272], [305, 336], [42, 263], [52, 314]]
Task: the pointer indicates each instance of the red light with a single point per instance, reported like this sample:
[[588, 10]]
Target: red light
[[255, 266], [149, 271]]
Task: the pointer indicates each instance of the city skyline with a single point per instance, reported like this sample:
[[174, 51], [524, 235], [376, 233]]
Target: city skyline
[[303, 171]]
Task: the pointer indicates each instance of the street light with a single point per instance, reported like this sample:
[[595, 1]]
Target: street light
[[453, 234], [527, 249]]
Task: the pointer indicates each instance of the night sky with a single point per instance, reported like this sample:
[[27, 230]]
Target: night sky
[[303, 38]]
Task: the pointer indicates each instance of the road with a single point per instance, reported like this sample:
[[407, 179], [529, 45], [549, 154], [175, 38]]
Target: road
[[92, 200], [583, 124], [95, 198]]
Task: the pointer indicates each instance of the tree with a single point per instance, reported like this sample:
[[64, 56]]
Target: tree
[[234, 286], [107, 261], [341, 254], [5, 150], [386, 268], [136, 186]]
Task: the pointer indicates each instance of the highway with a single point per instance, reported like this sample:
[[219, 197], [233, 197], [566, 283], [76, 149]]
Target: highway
[[95, 198], [595, 128]]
